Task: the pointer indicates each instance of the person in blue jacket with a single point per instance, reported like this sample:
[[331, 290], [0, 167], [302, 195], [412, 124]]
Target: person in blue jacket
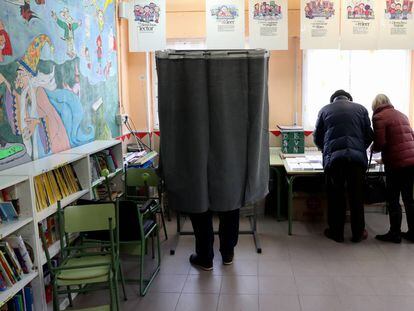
[[343, 133]]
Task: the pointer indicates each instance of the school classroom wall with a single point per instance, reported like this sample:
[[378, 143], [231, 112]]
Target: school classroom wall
[[186, 19]]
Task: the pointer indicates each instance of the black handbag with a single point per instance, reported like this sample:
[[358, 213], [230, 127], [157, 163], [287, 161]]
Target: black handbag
[[374, 187]]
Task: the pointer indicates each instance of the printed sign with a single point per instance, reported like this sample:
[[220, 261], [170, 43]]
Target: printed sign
[[268, 22], [396, 24], [225, 24], [359, 24], [147, 25], [319, 24]]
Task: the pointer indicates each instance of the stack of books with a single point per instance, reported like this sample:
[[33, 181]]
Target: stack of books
[[14, 261], [103, 160], [22, 301], [55, 185]]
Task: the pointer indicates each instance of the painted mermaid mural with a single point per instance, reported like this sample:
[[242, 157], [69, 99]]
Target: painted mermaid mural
[[56, 93], [43, 115]]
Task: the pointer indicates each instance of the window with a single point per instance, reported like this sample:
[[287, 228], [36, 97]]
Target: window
[[362, 73]]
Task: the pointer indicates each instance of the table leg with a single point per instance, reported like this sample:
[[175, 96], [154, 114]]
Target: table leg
[[290, 180]]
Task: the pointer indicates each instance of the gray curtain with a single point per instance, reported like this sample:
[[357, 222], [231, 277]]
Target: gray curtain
[[213, 112]]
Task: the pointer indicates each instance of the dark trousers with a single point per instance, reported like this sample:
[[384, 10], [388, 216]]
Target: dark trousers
[[204, 233], [345, 180], [400, 181]]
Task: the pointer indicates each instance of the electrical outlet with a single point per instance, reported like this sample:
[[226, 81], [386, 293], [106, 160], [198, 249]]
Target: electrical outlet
[[121, 119]]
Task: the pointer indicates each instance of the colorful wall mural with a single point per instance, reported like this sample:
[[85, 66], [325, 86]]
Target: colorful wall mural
[[58, 76]]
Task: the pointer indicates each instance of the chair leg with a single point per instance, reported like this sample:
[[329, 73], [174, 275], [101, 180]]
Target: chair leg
[[122, 281], [152, 246], [55, 297], [111, 293], [141, 269], [163, 222], [116, 287], [69, 296]]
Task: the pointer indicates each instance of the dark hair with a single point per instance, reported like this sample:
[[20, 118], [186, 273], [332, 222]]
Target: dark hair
[[340, 93]]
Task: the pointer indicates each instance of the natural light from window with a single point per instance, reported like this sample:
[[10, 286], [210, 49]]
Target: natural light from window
[[362, 73]]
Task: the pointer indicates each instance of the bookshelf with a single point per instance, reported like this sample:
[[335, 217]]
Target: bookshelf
[[22, 182], [91, 150], [11, 292], [20, 188]]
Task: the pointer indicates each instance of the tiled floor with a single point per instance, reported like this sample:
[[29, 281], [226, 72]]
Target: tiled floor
[[303, 272]]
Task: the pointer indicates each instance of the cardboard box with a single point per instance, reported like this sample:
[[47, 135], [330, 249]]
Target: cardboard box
[[310, 207]]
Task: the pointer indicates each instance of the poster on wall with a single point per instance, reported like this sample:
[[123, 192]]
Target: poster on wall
[[58, 77], [268, 23], [225, 24], [147, 25], [359, 24], [396, 24], [319, 24]]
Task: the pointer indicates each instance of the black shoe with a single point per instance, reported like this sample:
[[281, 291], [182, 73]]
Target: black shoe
[[363, 236], [389, 237], [409, 236], [227, 259], [329, 235], [206, 265]]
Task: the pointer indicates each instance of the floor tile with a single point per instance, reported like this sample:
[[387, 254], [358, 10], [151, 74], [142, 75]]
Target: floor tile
[[275, 268], [279, 303], [199, 302], [282, 285], [240, 285], [393, 285], [156, 302], [315, 285], [309, 268], [321, 303], [353, 285], [202, 283], [168, 283], [240, 267], [238, 303], [362, 303]]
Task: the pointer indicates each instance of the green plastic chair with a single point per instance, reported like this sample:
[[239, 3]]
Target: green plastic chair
[[137, 224], [145, 178], [86, 266]]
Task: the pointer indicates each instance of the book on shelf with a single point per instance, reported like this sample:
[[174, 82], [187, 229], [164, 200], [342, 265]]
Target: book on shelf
[[51, 229], [22, 301], [19, 247], [11, 257], [99, 161], [9, 205], [101, 192], [7, 211], [55, 185]]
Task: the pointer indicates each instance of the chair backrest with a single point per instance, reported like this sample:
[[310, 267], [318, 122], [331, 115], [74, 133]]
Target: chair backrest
[[139, 177], [92, 217]]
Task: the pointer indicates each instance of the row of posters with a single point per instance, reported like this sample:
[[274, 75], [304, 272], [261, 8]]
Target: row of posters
[[225, 24], [364, 24], [348, 24]]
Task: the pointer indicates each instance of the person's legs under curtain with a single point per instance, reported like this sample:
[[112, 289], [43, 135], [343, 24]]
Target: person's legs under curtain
[[355, 185], [336, 203], [229, 234], [393, 190], [407, 196], [204, 240]]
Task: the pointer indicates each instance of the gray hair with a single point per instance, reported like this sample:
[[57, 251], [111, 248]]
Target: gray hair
[[380, 100]]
